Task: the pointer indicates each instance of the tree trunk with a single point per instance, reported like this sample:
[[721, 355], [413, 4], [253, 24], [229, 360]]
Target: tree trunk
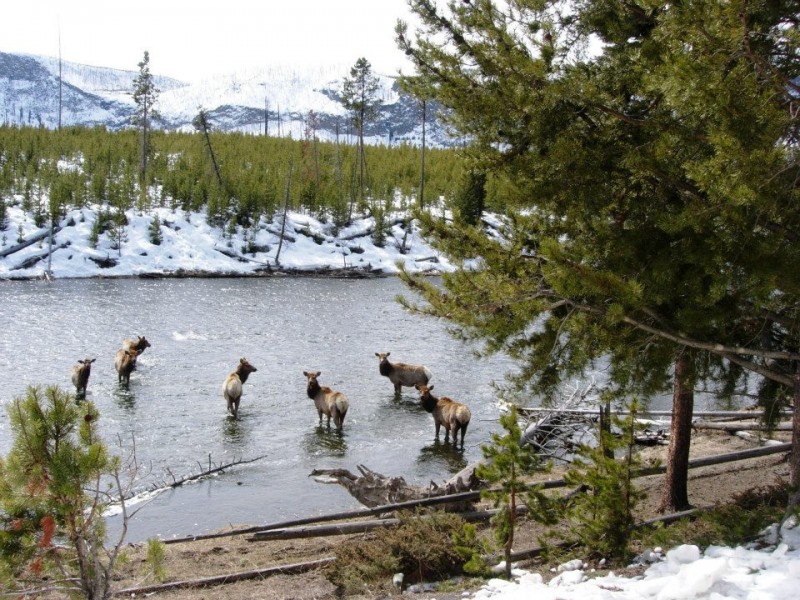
[[422, 166], [675, 496], [794, 458]]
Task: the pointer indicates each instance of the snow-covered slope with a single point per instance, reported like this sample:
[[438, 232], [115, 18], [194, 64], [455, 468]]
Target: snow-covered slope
[[29, 92], [191, 246]]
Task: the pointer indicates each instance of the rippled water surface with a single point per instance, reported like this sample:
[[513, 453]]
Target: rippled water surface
[[199, 328]]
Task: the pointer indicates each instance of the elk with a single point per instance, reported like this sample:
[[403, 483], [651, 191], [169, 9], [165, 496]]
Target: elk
[[453, 415], [232, 388], [328, 402], [402, 374], [80, 376], [125, 363], [138, 344]]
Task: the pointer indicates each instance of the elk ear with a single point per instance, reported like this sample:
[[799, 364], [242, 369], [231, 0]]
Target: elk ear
[[319, 373], [305, 373], [378, 354], [388, 353], [91, 361], [430, 387]]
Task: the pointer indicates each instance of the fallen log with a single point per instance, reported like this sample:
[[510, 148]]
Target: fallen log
[[291, 569], [730, 426], [722, 414], [29, 242], [240, 257], [374, 489], [351, 527], [32, 260]]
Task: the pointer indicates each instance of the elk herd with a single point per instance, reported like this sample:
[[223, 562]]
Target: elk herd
[[448, 413]]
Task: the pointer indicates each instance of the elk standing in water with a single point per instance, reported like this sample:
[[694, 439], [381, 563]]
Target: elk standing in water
[[328, 402], [232, 388], [125, 363], [453, 415], [402, 374], [80, 376]]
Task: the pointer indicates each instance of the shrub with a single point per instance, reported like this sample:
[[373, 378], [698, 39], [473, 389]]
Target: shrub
[[423, 547]]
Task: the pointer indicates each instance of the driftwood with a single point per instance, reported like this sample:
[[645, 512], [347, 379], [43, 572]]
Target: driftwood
[[211, 470], [373, 489], [291, 569]]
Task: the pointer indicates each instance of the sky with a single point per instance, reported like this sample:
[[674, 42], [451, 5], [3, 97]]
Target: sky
[[193, 39]]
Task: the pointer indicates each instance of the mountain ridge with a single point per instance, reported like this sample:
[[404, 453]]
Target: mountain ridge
[[278, 98]]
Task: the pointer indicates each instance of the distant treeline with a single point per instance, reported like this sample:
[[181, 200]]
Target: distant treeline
[[236, 177]]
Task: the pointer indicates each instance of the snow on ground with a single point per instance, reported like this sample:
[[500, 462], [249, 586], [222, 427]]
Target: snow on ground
[[190, 245], [684, 573]]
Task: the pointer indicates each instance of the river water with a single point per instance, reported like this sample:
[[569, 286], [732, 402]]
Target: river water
[[173, 412]]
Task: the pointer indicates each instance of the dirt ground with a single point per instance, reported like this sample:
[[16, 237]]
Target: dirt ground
[[228, 555]]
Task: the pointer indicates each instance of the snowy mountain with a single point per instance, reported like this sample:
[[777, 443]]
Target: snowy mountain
[[279, 97]]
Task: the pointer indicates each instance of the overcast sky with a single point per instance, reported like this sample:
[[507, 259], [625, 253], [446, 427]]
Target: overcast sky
[[190, 39]]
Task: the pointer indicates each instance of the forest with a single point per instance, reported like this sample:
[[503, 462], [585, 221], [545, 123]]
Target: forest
[[235, 177]]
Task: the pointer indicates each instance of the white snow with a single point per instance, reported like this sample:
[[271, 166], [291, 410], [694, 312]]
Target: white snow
[[750, 572], [190, 245]]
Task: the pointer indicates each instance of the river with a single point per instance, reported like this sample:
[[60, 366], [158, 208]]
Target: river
[[173, 412]]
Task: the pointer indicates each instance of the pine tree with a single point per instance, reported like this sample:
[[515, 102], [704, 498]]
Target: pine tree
[[506, 464], [471, 198], [602, 516], [655, 215], [155, 231], [360, 97], [50, 491], [145, 94]]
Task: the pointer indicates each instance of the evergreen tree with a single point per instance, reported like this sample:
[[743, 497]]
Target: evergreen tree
[[50, 491], [471, 198], [145, 93], [155, 231], [507, 463], [602, 516], [654, 180], [360, 97]]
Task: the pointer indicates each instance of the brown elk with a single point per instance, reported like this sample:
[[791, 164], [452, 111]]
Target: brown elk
[[232, 388], [402, 374], [328, 402], [125, 363], [80, 376], [453, 415], [139, 345]]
